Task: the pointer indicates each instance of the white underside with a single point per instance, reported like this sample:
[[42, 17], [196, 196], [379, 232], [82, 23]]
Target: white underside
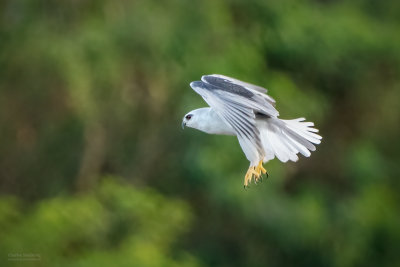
[[282, 139]]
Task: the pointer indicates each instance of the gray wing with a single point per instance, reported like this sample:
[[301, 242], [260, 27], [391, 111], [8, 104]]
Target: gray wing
[[251, 87], [237, 106]]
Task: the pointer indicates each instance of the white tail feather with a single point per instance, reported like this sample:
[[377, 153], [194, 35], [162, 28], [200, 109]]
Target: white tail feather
[[284, 139]]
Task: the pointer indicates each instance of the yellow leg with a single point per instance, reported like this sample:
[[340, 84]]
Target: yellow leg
[[260, 168], [256, 172]]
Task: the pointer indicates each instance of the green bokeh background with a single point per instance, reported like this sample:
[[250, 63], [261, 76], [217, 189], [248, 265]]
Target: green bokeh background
[[96, 171]]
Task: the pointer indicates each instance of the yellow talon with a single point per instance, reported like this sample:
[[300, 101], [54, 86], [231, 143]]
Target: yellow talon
[[254, 171], [260, 168]]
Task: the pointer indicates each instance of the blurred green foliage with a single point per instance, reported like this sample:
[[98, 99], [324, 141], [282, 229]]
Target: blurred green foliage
[[94, 90], [112, 226]]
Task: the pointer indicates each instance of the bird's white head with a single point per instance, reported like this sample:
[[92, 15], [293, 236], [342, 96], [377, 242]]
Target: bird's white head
[[193, 119], [206, 120]]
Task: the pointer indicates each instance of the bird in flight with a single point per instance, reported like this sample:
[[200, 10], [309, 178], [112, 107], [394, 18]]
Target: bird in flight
[[246, 111]]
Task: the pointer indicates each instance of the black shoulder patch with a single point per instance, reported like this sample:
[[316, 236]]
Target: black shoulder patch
[[225, 85], [260, 115]]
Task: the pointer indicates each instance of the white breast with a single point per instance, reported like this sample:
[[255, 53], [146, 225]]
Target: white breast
[[211, 123]]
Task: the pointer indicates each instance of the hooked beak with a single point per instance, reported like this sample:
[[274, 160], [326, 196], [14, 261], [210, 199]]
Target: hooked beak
[[183, 124]]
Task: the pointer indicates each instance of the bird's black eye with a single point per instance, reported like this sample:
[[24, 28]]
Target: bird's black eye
[[188, 117]]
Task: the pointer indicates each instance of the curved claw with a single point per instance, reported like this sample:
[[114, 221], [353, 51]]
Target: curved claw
[[254, 172]]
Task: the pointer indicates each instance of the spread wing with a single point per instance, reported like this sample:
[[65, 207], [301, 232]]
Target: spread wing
[[237, 103], [252, 87]]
